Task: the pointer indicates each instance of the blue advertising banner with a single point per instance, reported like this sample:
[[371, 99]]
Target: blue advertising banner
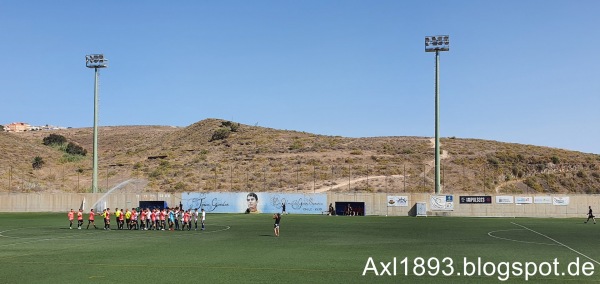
[[259, 202]]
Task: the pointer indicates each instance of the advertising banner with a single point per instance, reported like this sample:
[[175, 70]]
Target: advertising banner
[[504, 199], [542, 200], [394, 201], [523, 199], [560, 201], [259, 202], [475, 199], [441, 202]]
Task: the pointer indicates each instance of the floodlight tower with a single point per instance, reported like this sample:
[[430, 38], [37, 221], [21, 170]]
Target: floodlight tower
[[437, 43], [95, 61]]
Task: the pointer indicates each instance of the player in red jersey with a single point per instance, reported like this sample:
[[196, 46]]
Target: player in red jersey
[[153, 219], [79, 219], [107, 219], [142, 219], [162, 215], [121, 219], [91, 219], [186, 220], [71, 216]]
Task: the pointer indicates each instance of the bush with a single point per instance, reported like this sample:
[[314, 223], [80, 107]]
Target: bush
[[54, 139], [296, 145], [71, 158], [138, 165], [37, 163], [532, 182], [180, 186], [232, 126], [220, 134], [75, 149]]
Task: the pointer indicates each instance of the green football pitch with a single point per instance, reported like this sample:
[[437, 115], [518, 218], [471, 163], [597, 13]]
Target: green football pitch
[[234, 248]]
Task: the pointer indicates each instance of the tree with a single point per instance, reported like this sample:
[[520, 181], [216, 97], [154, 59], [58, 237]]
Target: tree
[[38, 162], [1, 128]]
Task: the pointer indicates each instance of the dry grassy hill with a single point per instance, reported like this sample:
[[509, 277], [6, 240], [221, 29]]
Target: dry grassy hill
[[216, 155]]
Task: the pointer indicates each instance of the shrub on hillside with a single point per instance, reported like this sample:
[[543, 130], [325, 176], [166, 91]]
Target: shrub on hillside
[[232, 126], [220, 134], [54, 139], [533, 183], [75, 149], [37, 163]]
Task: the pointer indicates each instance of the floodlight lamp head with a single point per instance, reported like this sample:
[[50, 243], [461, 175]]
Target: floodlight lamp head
[[437, 43], [96, 61]]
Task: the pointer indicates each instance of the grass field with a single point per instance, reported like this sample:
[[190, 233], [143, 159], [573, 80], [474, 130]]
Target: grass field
[[40, 248]]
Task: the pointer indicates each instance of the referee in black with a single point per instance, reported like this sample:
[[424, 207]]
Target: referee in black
[[590, 216]]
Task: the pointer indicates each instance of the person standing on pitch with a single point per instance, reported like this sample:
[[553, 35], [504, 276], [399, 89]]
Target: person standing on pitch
[[171, 218], [277, 218], [128, 218], [79, 219], [107, 219], [117, 214], [203, 218], [91, 219], [176, 218], [195, 217], [71, 216], [283, 208], [590, 216]]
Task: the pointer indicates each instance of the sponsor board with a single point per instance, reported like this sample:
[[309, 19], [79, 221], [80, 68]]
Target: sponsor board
[[542, 199], [560, 201], [504, 199], [255, 202], [395, 201], [441, 202], [475, 199], [523, 200]]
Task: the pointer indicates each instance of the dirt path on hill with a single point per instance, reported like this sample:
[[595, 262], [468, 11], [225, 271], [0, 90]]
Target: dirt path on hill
[[341, 183], [510, 182], [431, 163]]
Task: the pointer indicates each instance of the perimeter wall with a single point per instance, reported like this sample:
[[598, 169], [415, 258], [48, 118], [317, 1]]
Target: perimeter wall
[[522, 205]]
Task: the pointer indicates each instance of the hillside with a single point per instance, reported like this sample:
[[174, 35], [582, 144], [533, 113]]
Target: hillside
[[215, 155]]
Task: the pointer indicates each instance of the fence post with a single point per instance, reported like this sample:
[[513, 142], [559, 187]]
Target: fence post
[[424, 175], [332, 178], [349, 175], [404, 177], [10, 178]]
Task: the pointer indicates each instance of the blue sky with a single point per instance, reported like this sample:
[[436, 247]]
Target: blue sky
[[517, 71]]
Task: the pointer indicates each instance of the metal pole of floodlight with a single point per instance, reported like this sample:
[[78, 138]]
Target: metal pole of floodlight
[[95, 61], [436, 44]]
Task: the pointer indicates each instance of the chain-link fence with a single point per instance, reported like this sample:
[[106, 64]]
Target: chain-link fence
[[311, 177]]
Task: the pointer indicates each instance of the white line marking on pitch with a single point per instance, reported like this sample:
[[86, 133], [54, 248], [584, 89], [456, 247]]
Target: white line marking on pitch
[[558, 243], [73, 237], [491, 234]]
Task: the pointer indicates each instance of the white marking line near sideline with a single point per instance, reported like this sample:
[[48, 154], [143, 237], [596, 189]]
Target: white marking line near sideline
[[558, 243], [491, 234], [73, 237]]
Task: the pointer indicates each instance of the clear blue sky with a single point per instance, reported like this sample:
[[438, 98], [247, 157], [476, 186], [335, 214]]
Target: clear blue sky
[[517, 71]]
